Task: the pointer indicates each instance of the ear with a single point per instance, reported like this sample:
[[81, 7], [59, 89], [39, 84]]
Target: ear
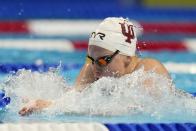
[[127, 61]]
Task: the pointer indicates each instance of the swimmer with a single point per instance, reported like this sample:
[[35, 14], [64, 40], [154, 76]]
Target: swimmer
[[111, 52]]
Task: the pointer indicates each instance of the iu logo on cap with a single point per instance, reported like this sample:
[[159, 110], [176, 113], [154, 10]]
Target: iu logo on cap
[[127, 31]]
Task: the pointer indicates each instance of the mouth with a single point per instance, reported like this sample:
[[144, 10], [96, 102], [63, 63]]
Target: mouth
[[97, 75]]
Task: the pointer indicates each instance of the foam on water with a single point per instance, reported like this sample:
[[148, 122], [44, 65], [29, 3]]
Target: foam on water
[[107, 96]]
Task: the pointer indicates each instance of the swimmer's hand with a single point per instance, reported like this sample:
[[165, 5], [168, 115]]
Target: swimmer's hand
[[34, 106]]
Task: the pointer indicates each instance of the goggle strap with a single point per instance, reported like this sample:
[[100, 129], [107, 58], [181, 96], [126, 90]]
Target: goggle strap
[[90, 58], [115, 53]]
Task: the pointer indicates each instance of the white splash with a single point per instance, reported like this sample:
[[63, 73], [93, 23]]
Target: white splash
[[107, 96]]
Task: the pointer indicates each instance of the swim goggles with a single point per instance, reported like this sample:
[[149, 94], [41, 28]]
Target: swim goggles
[[104, 60]]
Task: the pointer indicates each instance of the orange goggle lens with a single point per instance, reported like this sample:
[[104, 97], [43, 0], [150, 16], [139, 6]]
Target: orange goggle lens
[[102, 62]]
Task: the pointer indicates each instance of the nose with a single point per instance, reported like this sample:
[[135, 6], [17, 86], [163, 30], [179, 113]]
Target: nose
[[98, 68], [98, 71]]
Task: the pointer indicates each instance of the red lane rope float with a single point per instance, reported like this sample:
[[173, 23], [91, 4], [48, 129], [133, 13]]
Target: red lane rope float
[[14, 27], [187, 28], [80, 45], [163, 45]]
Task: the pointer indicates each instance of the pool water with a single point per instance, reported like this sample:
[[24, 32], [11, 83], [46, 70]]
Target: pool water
[[71, 63]]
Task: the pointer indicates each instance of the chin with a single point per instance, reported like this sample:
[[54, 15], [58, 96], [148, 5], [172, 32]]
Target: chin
[[99, 75], [96, 79]]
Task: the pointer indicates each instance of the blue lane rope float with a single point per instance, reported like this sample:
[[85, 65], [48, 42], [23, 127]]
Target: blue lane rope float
[[4, 101], [2, 94], [7, 68], [152, 127], [194, 94]]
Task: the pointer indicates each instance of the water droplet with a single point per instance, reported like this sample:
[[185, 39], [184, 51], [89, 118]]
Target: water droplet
[[68, 10]]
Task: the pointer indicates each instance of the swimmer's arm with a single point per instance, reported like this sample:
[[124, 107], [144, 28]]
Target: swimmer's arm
[[157, 67], [34, 106], [85, 77]]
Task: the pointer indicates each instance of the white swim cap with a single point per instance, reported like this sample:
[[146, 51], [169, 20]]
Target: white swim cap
[[115, 34]]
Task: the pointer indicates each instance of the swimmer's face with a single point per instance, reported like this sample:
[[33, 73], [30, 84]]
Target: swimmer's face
[[115, 68]]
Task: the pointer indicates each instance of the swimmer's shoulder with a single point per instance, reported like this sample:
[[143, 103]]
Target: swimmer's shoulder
[[152, 64], [149, 62]]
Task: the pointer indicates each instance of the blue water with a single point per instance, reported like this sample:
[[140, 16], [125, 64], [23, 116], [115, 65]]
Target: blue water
[[186, 82]]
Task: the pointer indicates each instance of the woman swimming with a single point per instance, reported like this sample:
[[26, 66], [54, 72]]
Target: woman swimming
[[111, 52]]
